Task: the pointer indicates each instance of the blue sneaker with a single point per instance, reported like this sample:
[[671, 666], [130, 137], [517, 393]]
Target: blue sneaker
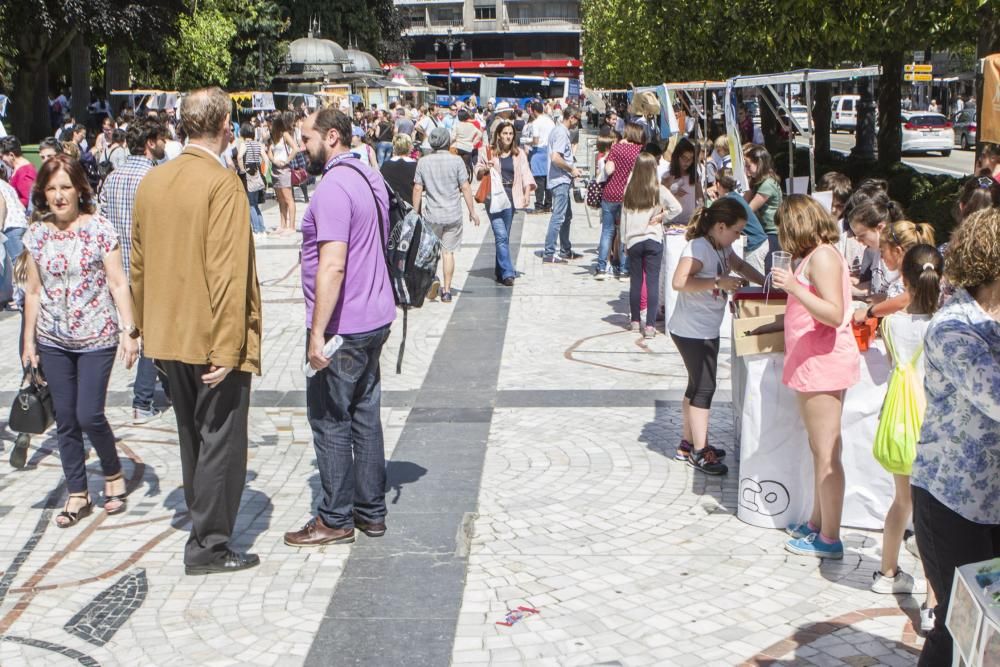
[[811, 545], [800, 530]]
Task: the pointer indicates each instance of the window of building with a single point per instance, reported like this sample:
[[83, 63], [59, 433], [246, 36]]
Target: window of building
[[486, 13]]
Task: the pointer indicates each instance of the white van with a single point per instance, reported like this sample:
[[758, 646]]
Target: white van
[[844, 112]]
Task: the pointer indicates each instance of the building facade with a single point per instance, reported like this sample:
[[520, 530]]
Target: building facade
[[495, 37]]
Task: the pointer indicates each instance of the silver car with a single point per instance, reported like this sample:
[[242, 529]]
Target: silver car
[[924, 131], [965, 128]]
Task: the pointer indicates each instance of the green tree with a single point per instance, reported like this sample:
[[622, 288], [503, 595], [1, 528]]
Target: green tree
[[36, 32], [200, 53], [258, 48], [611, 31]]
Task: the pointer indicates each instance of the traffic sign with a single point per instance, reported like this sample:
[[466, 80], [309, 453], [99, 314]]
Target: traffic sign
[[918, 77], [914, 68]]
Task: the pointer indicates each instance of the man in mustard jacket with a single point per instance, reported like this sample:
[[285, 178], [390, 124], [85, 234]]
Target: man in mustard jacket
[[194, 284]]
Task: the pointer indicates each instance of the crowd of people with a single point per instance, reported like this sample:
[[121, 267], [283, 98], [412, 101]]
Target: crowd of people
[[101, 250]]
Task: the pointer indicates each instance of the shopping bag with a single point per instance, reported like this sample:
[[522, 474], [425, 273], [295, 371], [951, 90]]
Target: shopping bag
[[902, 414]]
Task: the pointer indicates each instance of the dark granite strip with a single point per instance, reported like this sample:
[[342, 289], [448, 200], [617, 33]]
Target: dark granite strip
[[98, 622], [398, 599], [72, 654]]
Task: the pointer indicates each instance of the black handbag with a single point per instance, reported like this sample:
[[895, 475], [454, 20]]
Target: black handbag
[[32, 411]]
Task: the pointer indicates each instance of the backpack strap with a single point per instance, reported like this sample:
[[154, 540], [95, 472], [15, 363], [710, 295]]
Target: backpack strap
[[383, 241]]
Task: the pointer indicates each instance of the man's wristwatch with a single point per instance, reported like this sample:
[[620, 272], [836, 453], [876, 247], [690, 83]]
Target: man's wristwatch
[[132, 331]]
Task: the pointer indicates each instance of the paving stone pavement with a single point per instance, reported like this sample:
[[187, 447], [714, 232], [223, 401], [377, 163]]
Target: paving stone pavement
[[630, 557]]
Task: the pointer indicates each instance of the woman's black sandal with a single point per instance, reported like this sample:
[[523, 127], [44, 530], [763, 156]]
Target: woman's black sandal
[[72, 518], [118, 498]]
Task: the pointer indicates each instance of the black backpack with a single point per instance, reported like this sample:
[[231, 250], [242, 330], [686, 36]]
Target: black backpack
[[411, 255]]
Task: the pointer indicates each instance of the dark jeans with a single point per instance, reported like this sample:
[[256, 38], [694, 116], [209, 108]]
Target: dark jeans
[[78, 382], [773, 246], [212, 433], [559, 223], [649, 252], [343, 402], [543, 197], [145, 384], [946, 540]]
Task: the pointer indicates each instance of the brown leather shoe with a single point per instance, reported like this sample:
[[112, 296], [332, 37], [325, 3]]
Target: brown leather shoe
[[369, 529], [316, 534]]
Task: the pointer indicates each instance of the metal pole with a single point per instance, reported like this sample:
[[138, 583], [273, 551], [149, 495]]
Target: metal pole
[[451, 44], [812, 134], [704, 108], [791, 138]]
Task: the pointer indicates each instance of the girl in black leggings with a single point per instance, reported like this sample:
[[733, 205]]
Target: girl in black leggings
[[703, 282]]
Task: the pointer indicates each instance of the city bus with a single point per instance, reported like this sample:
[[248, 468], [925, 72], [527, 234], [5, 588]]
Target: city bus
[[513, 89]]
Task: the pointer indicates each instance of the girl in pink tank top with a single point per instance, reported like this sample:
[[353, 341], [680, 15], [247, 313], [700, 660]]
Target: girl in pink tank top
[[821, 360]]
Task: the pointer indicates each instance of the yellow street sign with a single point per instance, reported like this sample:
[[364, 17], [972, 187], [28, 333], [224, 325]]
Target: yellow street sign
[[914, 68], [918, 77]]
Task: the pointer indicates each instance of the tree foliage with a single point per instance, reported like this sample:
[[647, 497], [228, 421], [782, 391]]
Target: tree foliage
[[200, 53]]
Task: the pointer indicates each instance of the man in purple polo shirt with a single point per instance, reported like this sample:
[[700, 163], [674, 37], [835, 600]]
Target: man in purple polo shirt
[[347, 292]]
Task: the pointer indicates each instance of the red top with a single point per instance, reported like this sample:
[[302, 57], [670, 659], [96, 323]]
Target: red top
[[623, 155], [22, 181]]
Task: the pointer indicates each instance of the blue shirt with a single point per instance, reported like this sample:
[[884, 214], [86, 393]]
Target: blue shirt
[[958, 458], [754, 230], [559, 143]]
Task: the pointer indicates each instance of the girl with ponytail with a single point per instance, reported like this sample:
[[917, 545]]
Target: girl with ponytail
[[904, 333], [895, 239], [702, 281]]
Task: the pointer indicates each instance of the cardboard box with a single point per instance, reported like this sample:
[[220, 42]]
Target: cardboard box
[[745, 344], [757, 302]]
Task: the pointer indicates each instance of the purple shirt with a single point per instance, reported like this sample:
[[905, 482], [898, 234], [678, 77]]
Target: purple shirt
[[343, 209]]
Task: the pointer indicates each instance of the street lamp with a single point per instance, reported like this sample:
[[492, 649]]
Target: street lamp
[[449, 42]]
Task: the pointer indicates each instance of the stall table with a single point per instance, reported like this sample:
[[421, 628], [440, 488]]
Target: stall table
[[775, 468]]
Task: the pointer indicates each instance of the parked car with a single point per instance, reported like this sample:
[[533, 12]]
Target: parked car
[[801, 115], [924, 132], [844, 112], [964, 123]]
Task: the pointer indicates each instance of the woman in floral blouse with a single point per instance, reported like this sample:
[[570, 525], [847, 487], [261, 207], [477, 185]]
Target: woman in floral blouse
[[956, 476], [75, 293]]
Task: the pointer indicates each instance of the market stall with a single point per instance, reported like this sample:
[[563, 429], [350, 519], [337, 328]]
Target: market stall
[[776, 475]]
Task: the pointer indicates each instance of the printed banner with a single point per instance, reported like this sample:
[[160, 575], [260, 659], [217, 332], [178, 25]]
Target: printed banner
[[263, 102], [733, 132], [989, 128]]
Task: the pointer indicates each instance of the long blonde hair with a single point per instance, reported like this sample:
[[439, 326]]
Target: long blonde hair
[[804, 225], [904, 234], [21, 269], [643, 190]]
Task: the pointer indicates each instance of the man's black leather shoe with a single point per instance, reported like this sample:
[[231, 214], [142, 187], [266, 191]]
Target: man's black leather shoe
[[233, 562]]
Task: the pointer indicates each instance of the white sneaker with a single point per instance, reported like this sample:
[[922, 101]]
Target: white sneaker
[[926, 619], [600, 275], [901, 583], [140, 416]]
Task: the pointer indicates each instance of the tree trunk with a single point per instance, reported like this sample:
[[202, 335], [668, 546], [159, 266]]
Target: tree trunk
[[864, 131], [821, 120], [987, 42], [79, 54], [30, 109], [890, 138], [116, 73]]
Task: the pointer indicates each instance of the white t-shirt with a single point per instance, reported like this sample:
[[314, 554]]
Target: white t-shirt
[[426, 124], [907, 332], [699, 314], [15, 212], [542, 127]]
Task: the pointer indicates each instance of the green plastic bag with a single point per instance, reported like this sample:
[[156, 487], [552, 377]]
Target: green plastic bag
[[902, 413]]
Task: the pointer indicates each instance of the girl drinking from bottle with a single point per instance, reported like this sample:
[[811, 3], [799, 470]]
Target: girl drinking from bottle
[[904, 333], [821, 359], [702, 281]]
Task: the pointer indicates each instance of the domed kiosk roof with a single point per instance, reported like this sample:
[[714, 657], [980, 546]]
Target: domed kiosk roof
[[363, 61], [411, 74], [316, 51]]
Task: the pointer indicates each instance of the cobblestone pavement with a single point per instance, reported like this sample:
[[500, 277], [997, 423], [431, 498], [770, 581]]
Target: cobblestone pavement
[[630, 557]]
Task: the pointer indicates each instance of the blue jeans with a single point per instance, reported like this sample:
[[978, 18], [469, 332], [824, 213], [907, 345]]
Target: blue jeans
[[611, 213], [342, 404], [383, 151], [256, 217], [501, 222], [562, 217], [13, 247], [145, 384]]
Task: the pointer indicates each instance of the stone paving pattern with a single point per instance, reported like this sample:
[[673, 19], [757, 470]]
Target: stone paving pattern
[[630, 557]]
